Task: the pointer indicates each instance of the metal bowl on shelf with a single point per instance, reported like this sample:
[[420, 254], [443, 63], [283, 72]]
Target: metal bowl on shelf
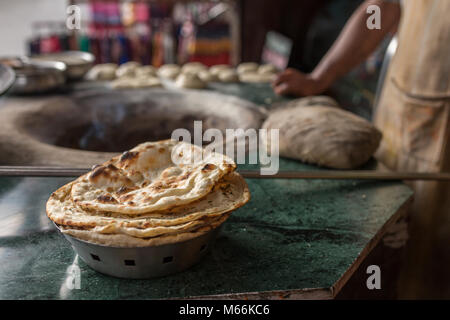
[[7, 77], [77, 63], [37, 76]]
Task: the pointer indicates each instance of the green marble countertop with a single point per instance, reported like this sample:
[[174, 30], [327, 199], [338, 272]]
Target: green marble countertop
[[292, 235], [295, 238]]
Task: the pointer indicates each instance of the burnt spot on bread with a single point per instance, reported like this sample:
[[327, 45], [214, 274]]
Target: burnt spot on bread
[[161, 150], [111, 173], [209, 167], [97, 172], [127, 197], [112, 167], [157, 186], [105, 198], [128, 155], [148, 199], [123, 190], [171, 182], [102, 171]]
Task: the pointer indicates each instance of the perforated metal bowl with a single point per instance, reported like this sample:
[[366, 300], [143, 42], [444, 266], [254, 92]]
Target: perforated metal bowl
[[144, 262]]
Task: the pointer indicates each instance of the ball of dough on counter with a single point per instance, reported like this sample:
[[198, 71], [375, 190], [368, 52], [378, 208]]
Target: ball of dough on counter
[[142, 82], [267, 68], [190, 81], [247, 67], [147, 82], [228, 75], [193, 67], [127, 69], [214, 70], [317, 133], [102, 72], [207, 76], [169, 71], [145, 71], [254, 77]]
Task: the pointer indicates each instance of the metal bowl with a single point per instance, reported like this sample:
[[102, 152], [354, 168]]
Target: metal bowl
[[144, 262], [77, 63], [7, 77], [38, 76]]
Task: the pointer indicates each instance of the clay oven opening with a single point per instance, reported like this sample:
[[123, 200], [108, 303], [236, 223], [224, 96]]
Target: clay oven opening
[[114, 121]]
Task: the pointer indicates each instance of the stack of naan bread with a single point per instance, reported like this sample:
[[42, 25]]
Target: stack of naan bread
[[156, 193]]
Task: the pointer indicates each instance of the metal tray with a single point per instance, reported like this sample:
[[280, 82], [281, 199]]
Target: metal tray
[[37, 76], [77, 63], [144, 262], [7, 77]]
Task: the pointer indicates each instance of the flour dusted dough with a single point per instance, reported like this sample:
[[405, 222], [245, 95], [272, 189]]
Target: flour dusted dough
[[136, 82], [214, 70], [323, 135], [193, 67], [102, 72], [247, 67], [207, 76], [254, 77], [128, 69], [190, 81], [169, 71], [228, 75], [145, 71], [267, 68]]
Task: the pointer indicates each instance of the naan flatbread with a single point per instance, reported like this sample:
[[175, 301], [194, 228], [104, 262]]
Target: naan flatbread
[[159, 192], [229, 194], [147, 179], [122, 240]]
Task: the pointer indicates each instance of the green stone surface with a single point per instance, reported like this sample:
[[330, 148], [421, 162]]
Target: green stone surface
[[293, 234]]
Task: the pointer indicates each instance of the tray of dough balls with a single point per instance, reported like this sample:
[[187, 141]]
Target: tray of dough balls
[[192, 75]]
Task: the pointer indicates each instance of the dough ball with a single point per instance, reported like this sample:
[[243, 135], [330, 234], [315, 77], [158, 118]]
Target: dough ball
[[122, 83], [214, 70], [193, 67], [207, 76], [190, 81], [228, 75], [323, 135], [254, 77], [267, 68], [145, 71], [127, 69], [247, 67], [169, 71], [147, 82], [142, 82], [105, 72]]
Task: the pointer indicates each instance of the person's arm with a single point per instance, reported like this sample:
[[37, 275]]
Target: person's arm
[[355, 43]]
